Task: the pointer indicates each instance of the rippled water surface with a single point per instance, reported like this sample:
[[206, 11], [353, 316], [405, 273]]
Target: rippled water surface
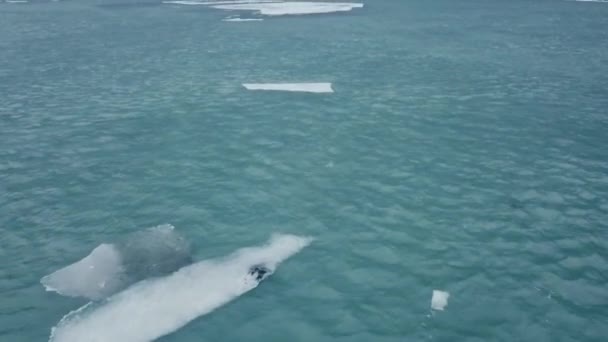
[[464, 149]]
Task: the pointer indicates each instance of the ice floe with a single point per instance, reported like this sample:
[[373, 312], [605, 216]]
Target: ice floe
[[291, 8], [242, 19], [297, 87], [211, 3], [156, 307], [111, 267], [439, 300], [273, 7]]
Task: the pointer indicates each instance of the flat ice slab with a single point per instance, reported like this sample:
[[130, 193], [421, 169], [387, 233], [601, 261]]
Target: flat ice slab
[[439, 300], [210, 3], [159, 306], [111, 267], [242, 19], [292, 8], [301, 87]]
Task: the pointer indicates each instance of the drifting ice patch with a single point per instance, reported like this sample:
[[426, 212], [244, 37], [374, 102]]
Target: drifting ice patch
[[156, 307], [242, 19], [110, 268], [93, 277], [439, 300], [209, 3], [291, 8], [300, 87], [184, 2]]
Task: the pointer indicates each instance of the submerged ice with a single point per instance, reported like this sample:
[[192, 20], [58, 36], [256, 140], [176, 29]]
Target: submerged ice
[[111, 267], [155, 307], [274, 8]]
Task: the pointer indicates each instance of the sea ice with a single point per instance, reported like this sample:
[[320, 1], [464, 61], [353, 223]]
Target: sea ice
[[300, 87], [291, 8], [439, 300]]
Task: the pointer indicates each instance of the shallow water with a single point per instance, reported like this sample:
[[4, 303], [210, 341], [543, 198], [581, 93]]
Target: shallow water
[[463, 150]]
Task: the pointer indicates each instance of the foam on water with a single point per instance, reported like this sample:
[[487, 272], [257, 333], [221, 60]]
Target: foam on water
[[153, 308], [300, 87], [292, 8], [111, 267]]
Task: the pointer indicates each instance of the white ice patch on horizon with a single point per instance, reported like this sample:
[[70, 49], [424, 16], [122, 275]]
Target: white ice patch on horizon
[[297, 87], [154, 308], [184, 2], [292, 8], [210, 3], [439, 300]]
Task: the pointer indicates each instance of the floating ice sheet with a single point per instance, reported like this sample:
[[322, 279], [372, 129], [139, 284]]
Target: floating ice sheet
[[291, 8], [298, 87], [210, 3], [242, 19], [111, 267], [156, 307], [439, 300], [93, 277]]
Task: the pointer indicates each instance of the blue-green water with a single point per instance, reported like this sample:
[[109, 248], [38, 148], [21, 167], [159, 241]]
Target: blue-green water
[[464, 149]]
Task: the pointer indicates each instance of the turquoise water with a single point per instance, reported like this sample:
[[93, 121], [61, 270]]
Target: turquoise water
[[464, 149]]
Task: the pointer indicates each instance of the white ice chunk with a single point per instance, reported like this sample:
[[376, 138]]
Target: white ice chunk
[[157, 307], [300, 87], [110, 267], [292, 8], [184, 2], [439, 300], [242, 19], [210, 3], [94, 276]]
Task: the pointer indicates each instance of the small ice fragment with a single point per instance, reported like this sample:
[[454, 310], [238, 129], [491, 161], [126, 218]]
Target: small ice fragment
[[439, 300], [298, 87], [242, 19]]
